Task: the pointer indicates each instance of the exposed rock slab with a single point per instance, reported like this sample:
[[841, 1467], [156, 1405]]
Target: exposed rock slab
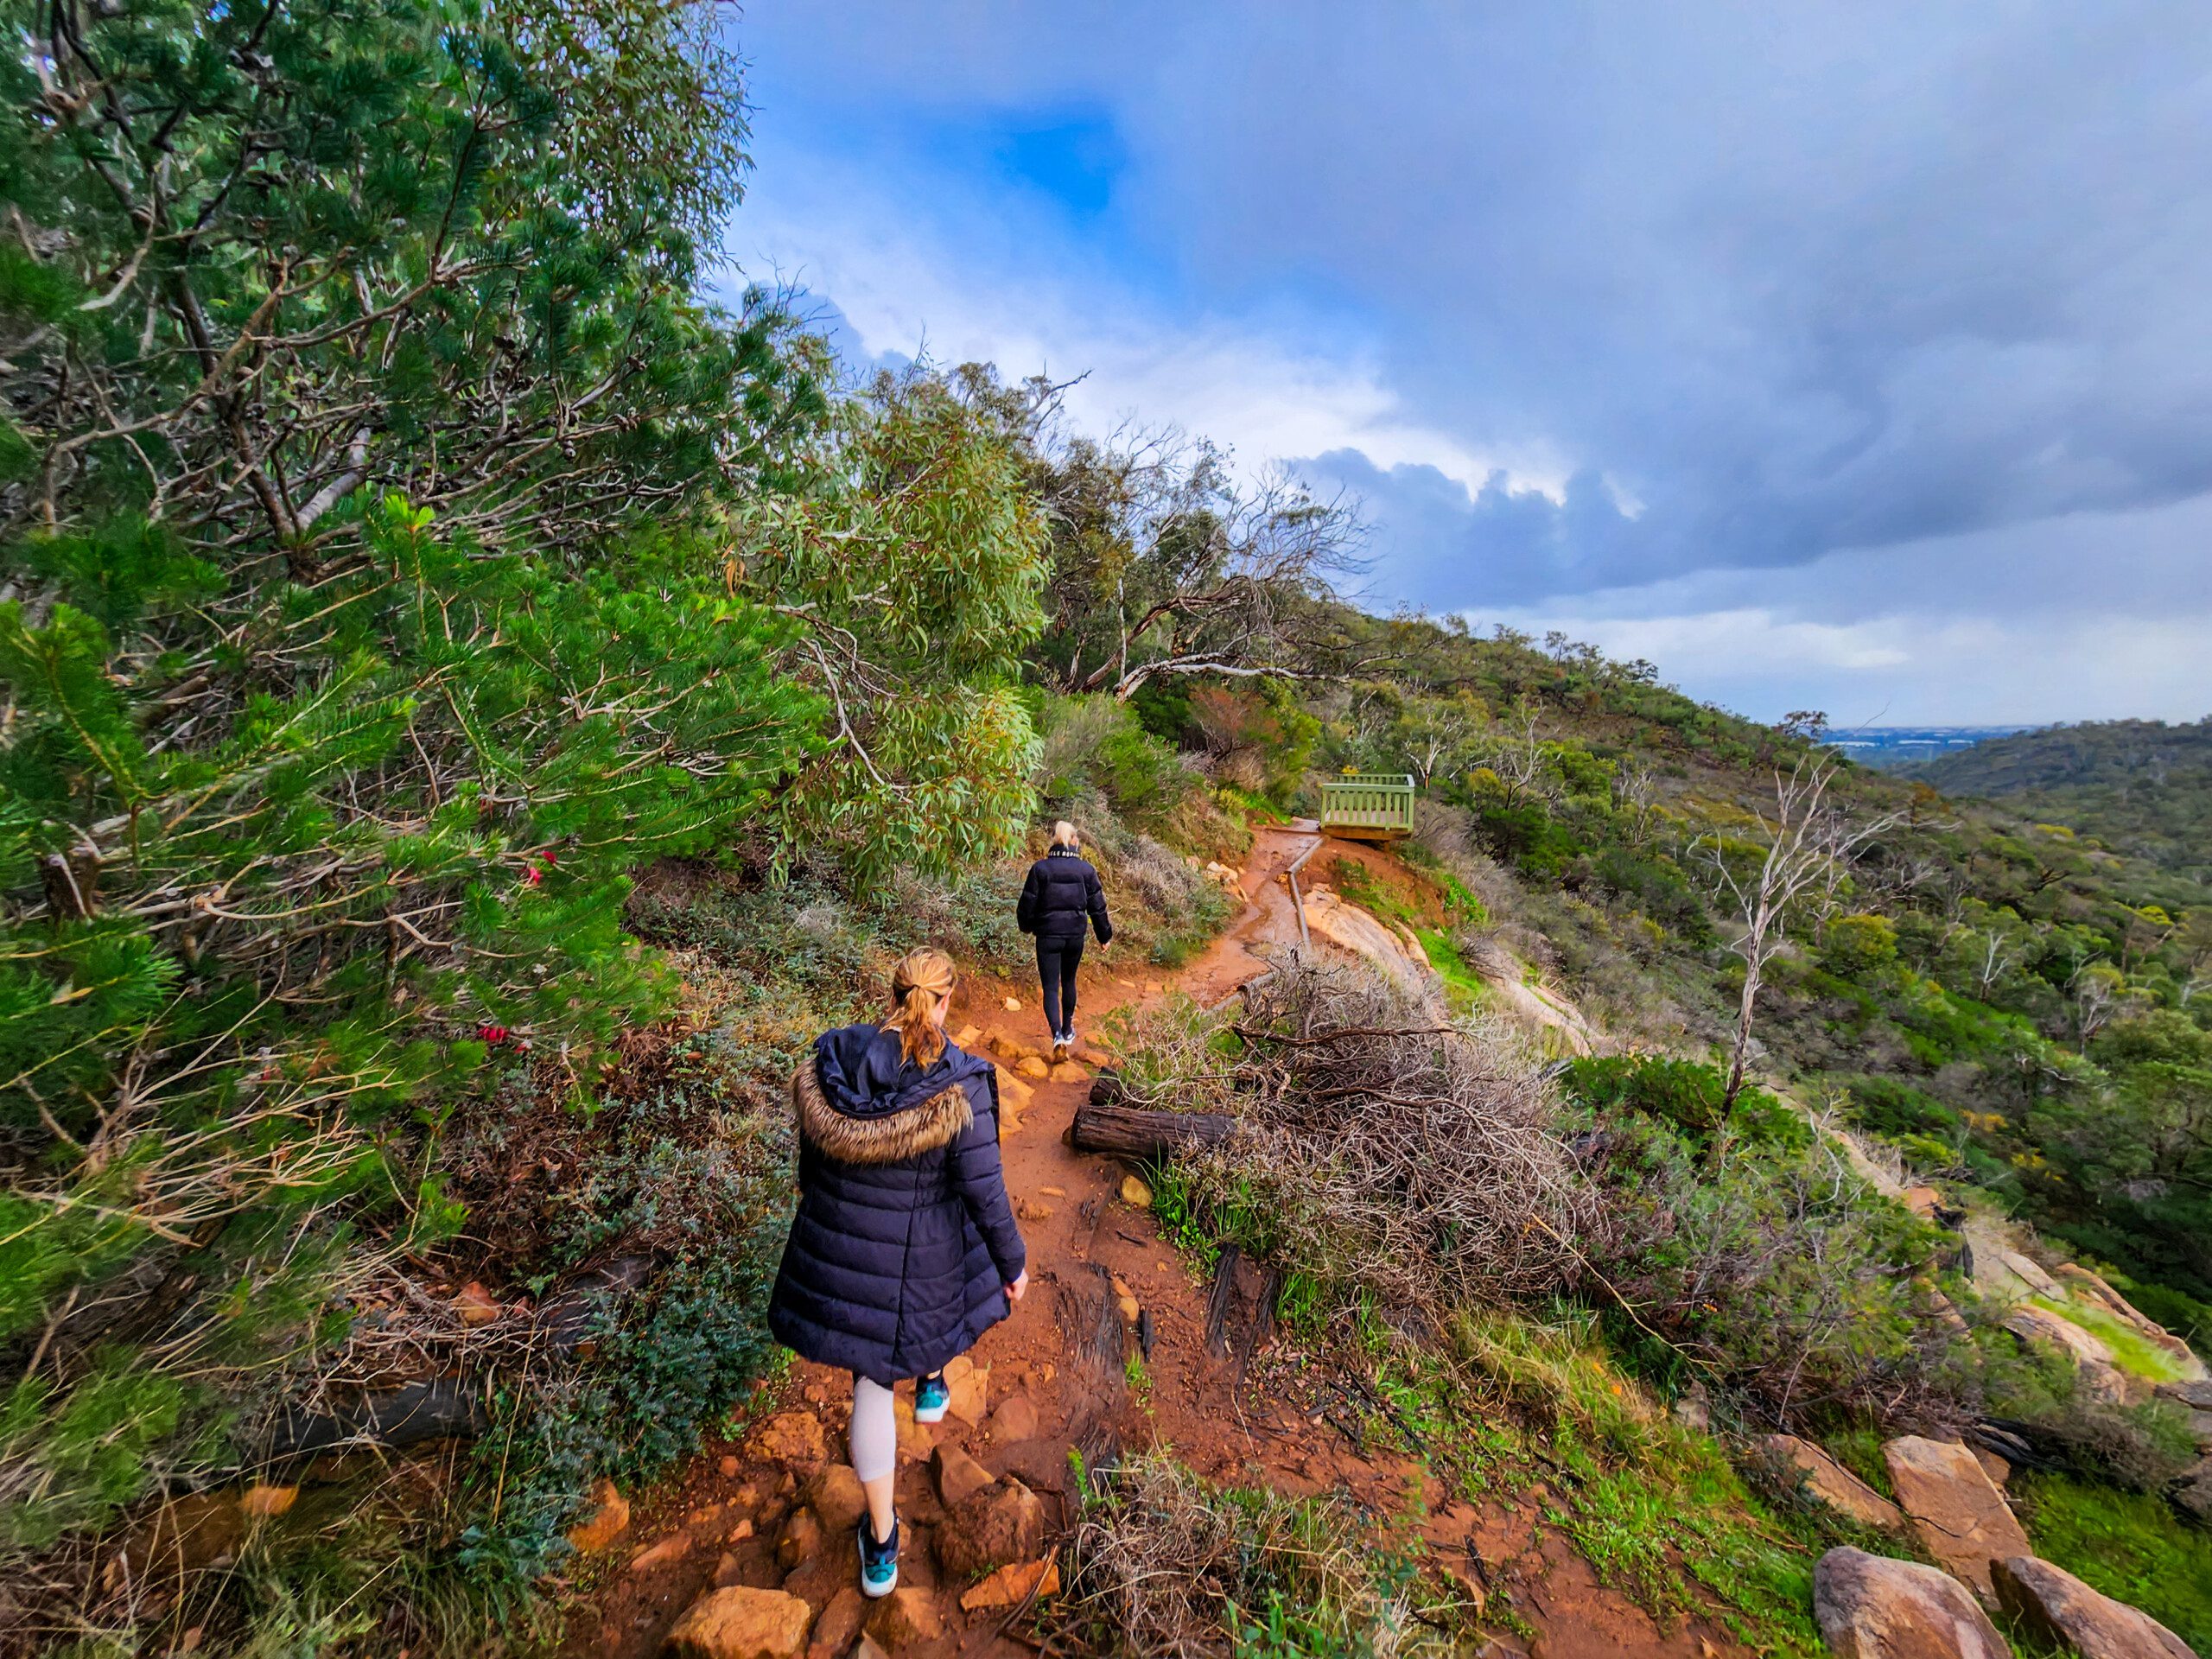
[[1875, 1607], [2090, 1287], [2064, 1612], [1959, 1516], [741, 1622], [2031, 1273], [1824, 1478]]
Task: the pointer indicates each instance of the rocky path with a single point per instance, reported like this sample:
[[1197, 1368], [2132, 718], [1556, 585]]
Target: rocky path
[[986, 1492]]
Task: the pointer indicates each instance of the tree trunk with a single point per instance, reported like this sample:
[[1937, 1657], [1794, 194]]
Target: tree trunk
[[1146, 1137]]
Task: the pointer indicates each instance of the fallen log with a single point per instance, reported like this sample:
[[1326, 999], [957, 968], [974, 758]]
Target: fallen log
[[1146, 1137]]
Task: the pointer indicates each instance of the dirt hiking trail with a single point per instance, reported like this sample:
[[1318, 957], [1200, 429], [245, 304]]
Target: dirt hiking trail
[[1053, 1377]]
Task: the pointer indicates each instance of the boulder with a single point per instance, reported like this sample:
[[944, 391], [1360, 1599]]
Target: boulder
[[1069, 1071], [608, 1518], [1875, 1607], [2057, 1608], [906, 1615], [868, 1648], [2038, 1327], [674, 1547], [790, 1436], [835, 1496], [971, 1394], [840, 1622], [2190, 1492], [1010, 1586], [1959, 1516], [801, 1541], [1135, 1193], [740, 1621], [1015, 1419], [1824, 1478], [1002, 1524], [957, 1475]]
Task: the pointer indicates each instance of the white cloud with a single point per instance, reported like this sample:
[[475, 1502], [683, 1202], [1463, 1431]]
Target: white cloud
[[963, 284], [1908, 668]]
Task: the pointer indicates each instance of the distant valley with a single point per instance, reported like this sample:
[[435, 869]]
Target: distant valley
[[1890, 748]]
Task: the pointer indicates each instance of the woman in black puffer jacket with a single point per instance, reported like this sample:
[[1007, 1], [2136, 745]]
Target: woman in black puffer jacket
[[904, 1251], [1060, 900]]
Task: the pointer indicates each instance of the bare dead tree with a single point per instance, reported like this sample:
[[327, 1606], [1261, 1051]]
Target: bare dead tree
[[1634, 796], [1997, 957], [1809, 845], [1516, 755]]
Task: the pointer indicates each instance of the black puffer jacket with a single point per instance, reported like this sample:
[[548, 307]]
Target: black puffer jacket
[[904, 1242], [1061, 893]]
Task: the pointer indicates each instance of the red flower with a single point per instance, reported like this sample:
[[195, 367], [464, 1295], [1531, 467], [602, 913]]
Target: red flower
[[492, 1034], [548, 856], [533, 875]]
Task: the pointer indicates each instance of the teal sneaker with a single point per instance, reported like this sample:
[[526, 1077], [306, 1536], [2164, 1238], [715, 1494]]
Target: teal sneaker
[[878, 1562], [931, 1397]]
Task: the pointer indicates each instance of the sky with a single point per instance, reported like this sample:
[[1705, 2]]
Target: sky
[[1851, 357]]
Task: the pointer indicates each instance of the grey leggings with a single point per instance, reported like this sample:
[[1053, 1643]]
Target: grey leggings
[[875, 1430]]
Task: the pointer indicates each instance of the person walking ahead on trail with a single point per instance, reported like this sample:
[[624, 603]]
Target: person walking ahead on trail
[[1060, 897], [904, 1251]]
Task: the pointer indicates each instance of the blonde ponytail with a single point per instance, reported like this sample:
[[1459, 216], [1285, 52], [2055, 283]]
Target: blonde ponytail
[[1064, 834], [921, 980]]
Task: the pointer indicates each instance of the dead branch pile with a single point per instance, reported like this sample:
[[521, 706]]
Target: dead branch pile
[[1412, 1160], [1168, 1569]]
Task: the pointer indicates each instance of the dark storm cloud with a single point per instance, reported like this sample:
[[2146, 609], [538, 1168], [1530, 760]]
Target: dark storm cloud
[[1796, 279]]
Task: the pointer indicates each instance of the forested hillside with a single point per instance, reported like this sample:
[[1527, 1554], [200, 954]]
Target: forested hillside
[[475, 709], [2140, 786]]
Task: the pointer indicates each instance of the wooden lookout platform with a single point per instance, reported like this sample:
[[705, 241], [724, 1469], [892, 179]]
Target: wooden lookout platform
[[1368, 805]]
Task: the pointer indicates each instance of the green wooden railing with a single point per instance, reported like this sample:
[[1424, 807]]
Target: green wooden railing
[[1369, 803]]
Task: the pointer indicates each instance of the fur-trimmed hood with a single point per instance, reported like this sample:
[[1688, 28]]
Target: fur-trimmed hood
[[924, 1127]]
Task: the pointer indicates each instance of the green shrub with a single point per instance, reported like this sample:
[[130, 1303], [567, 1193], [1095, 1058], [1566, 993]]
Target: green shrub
[[1853, 947], [1684, 1093], [1094, 743], [1892, 1106]]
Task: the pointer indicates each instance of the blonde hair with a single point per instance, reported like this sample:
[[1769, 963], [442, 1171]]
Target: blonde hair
[[1064, 834], [921, 980]]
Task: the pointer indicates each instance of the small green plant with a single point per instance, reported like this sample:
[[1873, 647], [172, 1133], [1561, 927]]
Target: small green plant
[[1138, 1375]]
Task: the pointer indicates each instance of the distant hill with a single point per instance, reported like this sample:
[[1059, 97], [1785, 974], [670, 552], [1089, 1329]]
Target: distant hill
[[2138, 785], [1894, 748]]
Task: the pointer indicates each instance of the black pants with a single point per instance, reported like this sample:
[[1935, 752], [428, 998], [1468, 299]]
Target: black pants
[[1056, 961]]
